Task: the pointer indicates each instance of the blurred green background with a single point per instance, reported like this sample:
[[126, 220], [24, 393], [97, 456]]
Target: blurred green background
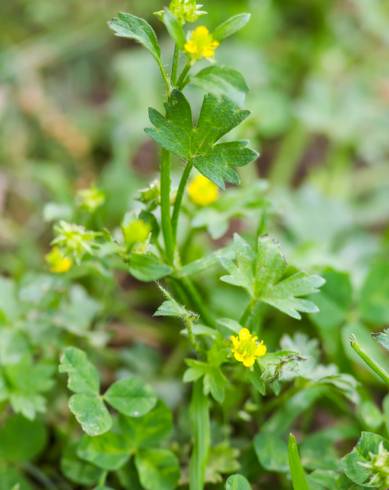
[[74, 99]]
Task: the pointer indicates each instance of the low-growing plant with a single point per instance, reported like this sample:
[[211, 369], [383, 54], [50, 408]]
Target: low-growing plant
[[247, 378]]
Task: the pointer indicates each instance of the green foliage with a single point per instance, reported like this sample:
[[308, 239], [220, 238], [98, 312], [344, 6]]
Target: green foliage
[[262, 273], [198, 144]]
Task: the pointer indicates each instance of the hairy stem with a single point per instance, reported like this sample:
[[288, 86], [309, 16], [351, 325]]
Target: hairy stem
[[379, 370]]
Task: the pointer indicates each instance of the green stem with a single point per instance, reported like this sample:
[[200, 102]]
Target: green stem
[[179, 197], [182, 80], [200, 424], [165, 206], [379, 370], [176, 56]]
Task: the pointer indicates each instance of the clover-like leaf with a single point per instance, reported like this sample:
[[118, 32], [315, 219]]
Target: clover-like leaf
[[91, 413], [131, 397], [82, 375], [158, 469], [262, 272], [218, 116]]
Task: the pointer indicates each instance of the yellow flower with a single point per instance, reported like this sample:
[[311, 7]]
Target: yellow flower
[[201, 44], [202, 191], [136, 231], [58, 262], [246, 347]]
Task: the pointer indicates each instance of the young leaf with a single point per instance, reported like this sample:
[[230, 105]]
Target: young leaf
[[174, 28], [132, 27], [299, 479], [221, 80], [131, 397], [231, 26], [82, 375], [218, 116], [262, 272], [158, 469], [237, 482]]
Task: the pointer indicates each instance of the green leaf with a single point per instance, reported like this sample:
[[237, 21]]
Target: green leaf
[[78, 471], [108, 451], [231, 26], [82, 375], [21, 439], [299, 479], [91, 413], [149, 430], [374, 305], [158, 469], [218, 116], [222, 80], [147, 267], [272, 452], [237, 482], [174, 28], [262, 274], [132, 27], [359, 465], [131, 397]]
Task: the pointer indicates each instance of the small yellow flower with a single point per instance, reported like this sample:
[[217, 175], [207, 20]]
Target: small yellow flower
[[58, 262], [136, 231], [201, 44], [246, 347], [202, 191]]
